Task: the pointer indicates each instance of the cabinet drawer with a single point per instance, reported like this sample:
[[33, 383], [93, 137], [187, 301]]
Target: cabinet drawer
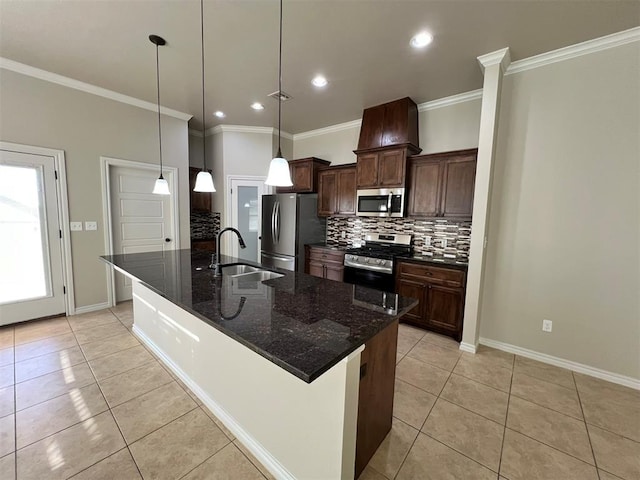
[[439, 275], [326, 256]]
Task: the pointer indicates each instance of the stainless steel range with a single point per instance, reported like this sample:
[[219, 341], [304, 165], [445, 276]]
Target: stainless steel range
[[372, 265]]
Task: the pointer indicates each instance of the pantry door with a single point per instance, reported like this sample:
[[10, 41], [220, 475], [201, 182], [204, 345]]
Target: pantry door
[[31, 261]]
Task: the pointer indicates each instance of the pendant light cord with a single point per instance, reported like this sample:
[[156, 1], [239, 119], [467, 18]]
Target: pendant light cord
[[204, 140], [159, 124], [280, 85]]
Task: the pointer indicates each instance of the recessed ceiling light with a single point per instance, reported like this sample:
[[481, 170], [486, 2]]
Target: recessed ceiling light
[[257, 106], [219, 114], [421, 40], [319, 81]]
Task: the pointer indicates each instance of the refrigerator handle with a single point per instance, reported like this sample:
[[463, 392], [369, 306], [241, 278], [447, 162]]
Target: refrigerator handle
[[277, 222], [273, 222]]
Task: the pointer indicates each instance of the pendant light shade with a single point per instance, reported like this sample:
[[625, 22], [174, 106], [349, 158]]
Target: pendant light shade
[[204, 180], [161, 186], [279, 173]]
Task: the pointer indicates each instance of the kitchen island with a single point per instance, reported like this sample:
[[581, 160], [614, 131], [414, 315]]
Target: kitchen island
[[300, 369]]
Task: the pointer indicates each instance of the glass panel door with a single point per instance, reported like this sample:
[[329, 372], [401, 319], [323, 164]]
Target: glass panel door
[[248, 221]]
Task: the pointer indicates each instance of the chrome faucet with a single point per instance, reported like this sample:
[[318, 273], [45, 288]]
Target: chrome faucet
[[217, 266]]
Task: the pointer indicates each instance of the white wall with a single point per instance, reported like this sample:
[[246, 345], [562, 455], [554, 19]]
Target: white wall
[[85, 126], [565, 212]]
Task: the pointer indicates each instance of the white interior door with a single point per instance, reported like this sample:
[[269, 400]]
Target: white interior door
[[246, 216], [141, 221], [31, 276]]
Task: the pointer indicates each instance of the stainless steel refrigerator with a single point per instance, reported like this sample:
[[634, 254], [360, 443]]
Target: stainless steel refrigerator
[[289, 221]]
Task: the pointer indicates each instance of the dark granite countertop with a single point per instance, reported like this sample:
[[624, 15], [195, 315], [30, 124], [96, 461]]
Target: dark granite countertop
[[301, 323], [437, 261]]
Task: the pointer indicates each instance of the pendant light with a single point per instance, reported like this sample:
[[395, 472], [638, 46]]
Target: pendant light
[[279, 174], [161, 187], [204, 180]]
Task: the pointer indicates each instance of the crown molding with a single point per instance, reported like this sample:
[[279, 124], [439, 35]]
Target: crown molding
[[577, 50], [38, 73], [330, 129], [500, 57], [451, 100], [195, 133]]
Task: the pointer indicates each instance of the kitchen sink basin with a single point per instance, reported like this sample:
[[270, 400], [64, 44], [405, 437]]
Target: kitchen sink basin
[[239, 269], [249, 273]]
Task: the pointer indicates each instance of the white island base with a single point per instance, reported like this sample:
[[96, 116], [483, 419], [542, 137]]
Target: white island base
[[297, 430]]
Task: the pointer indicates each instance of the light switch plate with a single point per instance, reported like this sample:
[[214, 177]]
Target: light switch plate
[[75, 226], [90, 225]]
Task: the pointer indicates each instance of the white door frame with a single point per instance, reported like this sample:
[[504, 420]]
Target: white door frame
[[63, 212], [229, 204], [105, 164]]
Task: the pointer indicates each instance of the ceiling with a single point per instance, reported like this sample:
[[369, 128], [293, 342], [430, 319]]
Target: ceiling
[[361, 46]]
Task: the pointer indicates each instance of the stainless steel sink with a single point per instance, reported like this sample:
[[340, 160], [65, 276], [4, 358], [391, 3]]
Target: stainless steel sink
[[241, 269], [249, 273]]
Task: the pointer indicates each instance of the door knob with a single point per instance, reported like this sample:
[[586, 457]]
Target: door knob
[[167, 239]]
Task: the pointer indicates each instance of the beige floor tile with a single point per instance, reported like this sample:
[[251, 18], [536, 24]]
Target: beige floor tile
[[72, 450], [7, 401], [411, 405], [228, 464], [597, 386], [218, 423], [7, 377], [91, 320], [616, 454], [442, 341], [8, 466], [393, 449], [399, 356], [370, 474], [52, 416], [6, 337], [550, 427], [119, 362], [613, 408], [526, 459], [466, 432], [39, 330], [133, 383], [493, 358], [496, 377], [49, 386], [100, 333], [123, 307], [431, 460], [411, 331], [7, 435], [119, 466], [109, 345], [146, 413], [441, 357], [607, 476], [477, 397], [422, 375], [45, 346], [6, 356], [550, 395], [544, 371], [254, 460], [178, 447], [51, 362], [406, 343]]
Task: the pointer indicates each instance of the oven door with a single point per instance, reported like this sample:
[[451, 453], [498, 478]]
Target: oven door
[[368, 278], [383, 202]]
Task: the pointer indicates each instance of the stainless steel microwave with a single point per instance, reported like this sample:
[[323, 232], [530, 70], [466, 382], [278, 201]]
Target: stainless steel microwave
[[380, 202]]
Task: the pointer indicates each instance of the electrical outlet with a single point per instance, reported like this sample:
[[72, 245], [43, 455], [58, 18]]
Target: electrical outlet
[[75, 226], [547, 325], [90, 226]]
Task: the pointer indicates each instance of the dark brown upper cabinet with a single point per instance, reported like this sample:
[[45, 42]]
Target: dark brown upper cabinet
[[442, 184], [200, 201], [304, 175], [390, 124], [337, 191], [383, 167]]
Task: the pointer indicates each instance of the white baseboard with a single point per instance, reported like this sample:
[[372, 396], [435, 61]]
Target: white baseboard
[[263, 455], [561, 362], [91, 308], [467, 347]]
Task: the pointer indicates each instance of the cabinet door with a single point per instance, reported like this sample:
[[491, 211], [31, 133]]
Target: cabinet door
[[302, 177], [457, 187], [316, 269], [346, 191], [391, 168], [334, 272], [424, 188], [444, 309], [413, 289], [367, 170], [327, 193]]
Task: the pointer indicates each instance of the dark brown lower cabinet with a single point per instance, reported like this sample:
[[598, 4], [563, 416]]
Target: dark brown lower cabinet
[[440, 292], [324, 263]]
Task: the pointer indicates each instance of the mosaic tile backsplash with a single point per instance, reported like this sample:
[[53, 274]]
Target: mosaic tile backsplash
[[204, 225], [433, 237]]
